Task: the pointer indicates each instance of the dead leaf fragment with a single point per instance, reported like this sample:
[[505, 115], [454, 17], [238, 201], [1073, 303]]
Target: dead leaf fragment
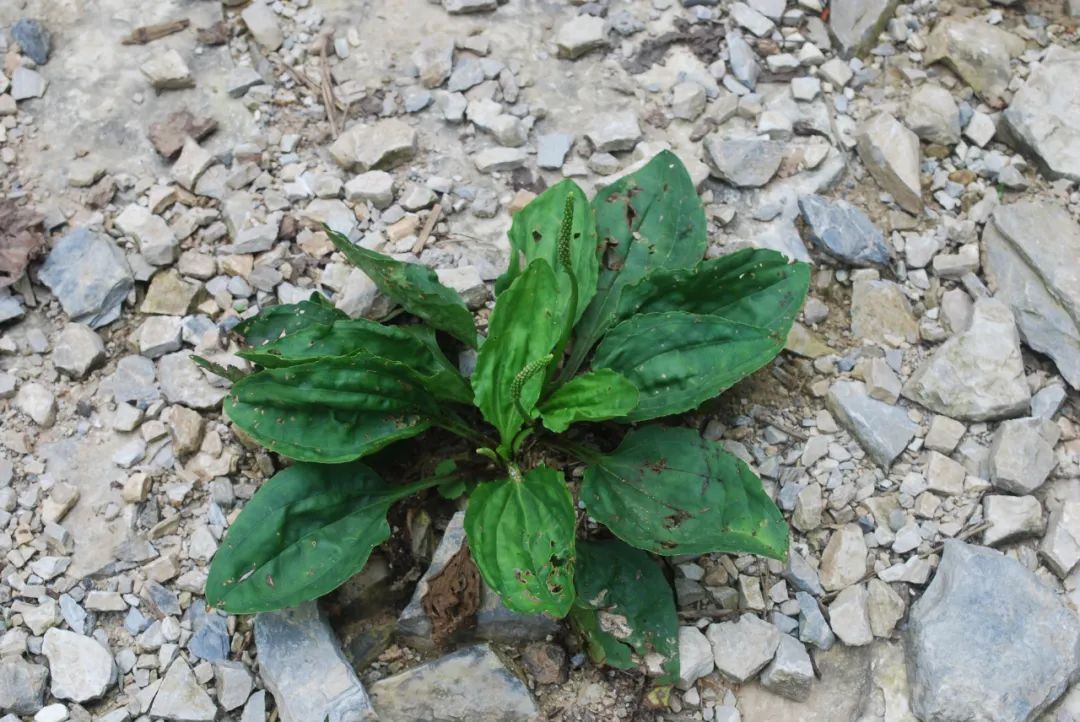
[[21, 239], [453, 596]]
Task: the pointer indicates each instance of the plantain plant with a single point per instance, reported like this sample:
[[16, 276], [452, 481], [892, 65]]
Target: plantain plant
[[608, 313]]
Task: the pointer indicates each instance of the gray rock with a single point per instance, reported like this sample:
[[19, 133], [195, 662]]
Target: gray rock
[[988, 641], [743, 60], [468, 72], [434, 59], [801, 575], [379, 146], [22, 686], [977, 51], [742, 649], [1023, 246], [856, 24], [159, 335], [933, 115], [580, 35], [791, 673], [182, 382], [500, 159], [78, 350], [1022, 454], [301, 664], [843, 563], [978, 374], [210, 633], [263, 25], [695, 656], [232, 684], [461, 7], [844, 231], [35, 43], [242, 79], [27, 83], [688, 100], [1011, 518], [37, 402], [89, 276], [134, 380], [849, 616], [551, 150], [157, 243], [10, 306], [813, 629], [743, 162], [882, 430], [181, 697], [81, 669], [470, 684], [884, 607], [613, 132], [1046, 402], [751, 19], [167, 71], [255, 709], [375, 187], [1060, 548], [891, 153]]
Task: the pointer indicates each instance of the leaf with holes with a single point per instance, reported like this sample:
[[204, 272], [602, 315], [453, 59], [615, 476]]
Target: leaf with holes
[[273, 322], [644, 221], [304, 532], [677, 361], [414, 346], [754, 286], [523, 330], [415, 287], [521, 533], [669, 491], [595, 396], [625, 604], [332, 410], [534, 233]]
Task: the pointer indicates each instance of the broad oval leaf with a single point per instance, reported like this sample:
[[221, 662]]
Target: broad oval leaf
[[534, 234], [521, 535], [414, 346], [624, 603], [273, 322], [680, 360], [669, 491], [415, 287], [305, 531], [755, 286], [649, 219], [594, 396], [331, 410], [524, 327]]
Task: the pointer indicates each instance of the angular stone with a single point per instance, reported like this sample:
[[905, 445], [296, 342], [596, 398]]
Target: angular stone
[[742, 649], [1011, 518], [977, 51], [157, 243], [988, 640], [695, 656], [790, 674], [880, 312], [944, 434], [1042, 118], [89, 275], [551, 150], [856, 24], [169, 294], [813, 629], [375, 187], [491, 160], [263, 25], [884, 606], [168, 71], [882, 430], [22, 685], [743, 60], [434, 59], [1023, 245], [168, 136], [891, 153], [749, 18], [181, 697], [192, 163], [470, 684], [843, 562], [26, 84], [849, 616], [301, 664], [37, 402], [844, 231], [379, 146], [1022, 454], [615, 132], [81, 669], [978, 374], [933, 115], [743, 162], [462, 7], [232, 684], [78, 350], [580, 35], [159, 335], [35, 43], [943, 475], [688, 100], [1060, 548], [182, 382]]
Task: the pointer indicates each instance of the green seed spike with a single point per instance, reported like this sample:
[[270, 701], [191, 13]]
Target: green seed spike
[[565, 232], [531, 369]]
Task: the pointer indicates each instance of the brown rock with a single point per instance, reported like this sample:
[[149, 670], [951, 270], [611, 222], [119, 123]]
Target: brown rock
[[169, 135], [545, 662]]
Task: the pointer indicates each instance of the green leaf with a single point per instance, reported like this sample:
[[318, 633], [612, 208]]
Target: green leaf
[[595, 396], [669, 491], [304, 532], [758, 287], [414, 346], [230, 373], [521, 536], [524, 328], [645, 220], [415, 287], [679, 360], [534, 234], [273, 322], [624, 603], [332, 410]]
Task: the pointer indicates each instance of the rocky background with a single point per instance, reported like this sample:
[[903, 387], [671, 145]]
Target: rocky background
[[165, 168]]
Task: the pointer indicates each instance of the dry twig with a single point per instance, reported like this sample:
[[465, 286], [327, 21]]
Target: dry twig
[[149, 33]]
